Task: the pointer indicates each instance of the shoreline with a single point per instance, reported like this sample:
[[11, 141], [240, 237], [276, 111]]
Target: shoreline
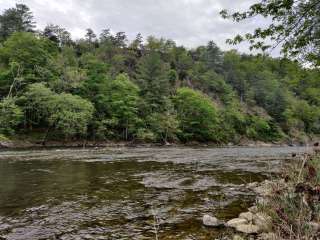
[[27, 144], [283, 204]]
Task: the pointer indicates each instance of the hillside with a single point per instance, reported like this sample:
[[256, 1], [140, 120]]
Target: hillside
[[149, 90]]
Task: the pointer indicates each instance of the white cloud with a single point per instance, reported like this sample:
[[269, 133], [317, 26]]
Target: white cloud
[[188, 22]]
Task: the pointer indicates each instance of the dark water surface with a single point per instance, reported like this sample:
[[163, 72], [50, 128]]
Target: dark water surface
[[117, 193]]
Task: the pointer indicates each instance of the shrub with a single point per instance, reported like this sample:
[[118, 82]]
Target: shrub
[[10, 116]]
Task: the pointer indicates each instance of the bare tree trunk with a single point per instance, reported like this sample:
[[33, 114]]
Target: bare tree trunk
[[46, 136]]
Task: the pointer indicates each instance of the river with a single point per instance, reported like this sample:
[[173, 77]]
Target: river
[[127, 193]]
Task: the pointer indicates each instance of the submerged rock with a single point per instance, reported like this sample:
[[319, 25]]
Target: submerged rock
[[210, 221]]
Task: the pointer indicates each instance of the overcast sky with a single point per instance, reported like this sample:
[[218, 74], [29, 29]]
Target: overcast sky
[[188, 22]]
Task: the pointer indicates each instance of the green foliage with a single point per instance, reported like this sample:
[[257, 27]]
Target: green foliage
[[70, 114], [10, 116], [96, 79], [18, 19], [293, 27], [164, 125], [36, 103], [197, 115], [153, 90], [153, 80], [58, 35], [121, 101], [66, 113], [261, 129], [233, 123], [27, 59], [304, 117]]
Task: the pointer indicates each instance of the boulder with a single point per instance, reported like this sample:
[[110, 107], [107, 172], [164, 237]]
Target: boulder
[[210, 221], [235, 222], [248, 228], [247, 215]]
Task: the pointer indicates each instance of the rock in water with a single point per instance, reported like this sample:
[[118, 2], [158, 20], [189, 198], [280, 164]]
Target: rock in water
[[210, 221], [247, 228]]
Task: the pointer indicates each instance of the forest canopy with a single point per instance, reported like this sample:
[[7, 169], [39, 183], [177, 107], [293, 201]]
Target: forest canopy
[[106, 87]]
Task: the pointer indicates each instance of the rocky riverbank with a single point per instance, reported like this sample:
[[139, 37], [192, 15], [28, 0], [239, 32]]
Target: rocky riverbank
[[254, 222], [286, 208]]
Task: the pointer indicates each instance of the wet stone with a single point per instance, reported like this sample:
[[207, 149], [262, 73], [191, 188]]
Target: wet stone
[[210, 221], [88, 237]]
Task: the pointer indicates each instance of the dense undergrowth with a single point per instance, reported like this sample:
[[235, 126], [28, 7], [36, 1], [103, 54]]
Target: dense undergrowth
[[110, 88], [294, 205]]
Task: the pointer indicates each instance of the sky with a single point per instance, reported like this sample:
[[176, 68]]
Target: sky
[[188, 22]]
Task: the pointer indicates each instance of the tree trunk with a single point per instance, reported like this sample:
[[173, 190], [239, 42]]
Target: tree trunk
[[46, 136]]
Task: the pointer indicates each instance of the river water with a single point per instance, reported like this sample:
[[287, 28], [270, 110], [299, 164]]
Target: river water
[[127, 193]]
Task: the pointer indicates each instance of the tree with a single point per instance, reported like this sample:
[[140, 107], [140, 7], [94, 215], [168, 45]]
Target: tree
[[120, 39], [96, 80], [303, 117], [153, 80], [212, 57], [58, 35], [121, 101], [70, 114], [105, 36], [28, 59], [234, 74], [181, 62], [259, 128], [10, 116], [91, 37], [197, 115], [36, 103], [18, 19], [66, 113], [164, 125], [295, 27]]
